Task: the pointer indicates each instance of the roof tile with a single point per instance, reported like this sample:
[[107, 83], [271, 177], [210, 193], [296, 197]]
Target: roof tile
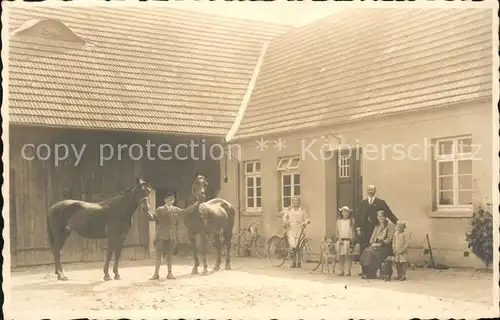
[[370, 62], [155, 69]]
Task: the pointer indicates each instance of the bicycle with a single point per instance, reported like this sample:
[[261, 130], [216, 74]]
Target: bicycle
[[247, 240], [278, 247]]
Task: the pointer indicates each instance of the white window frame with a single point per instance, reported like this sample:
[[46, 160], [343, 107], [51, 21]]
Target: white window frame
[[344, 165], [254, 175], [289, 166], [454, 157]]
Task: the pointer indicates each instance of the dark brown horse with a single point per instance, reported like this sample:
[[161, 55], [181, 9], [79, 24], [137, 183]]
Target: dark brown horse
[[213, 217], [110, 219]]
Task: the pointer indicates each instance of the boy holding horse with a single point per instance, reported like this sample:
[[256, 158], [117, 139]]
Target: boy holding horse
[[167, 221]]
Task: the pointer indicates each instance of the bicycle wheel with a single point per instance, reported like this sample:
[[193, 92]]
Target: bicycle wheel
[[306, 253], [236, 248], [277, 250], [259, 246]]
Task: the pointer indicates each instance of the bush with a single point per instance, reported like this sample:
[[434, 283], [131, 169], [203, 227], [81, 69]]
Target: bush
[[480, 238]]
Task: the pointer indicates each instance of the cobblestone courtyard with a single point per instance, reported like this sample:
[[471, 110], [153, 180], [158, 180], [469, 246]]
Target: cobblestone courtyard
[[253, 289]]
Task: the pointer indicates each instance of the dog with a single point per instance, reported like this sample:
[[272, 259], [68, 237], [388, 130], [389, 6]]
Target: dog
[[386, 269], [327, 255]]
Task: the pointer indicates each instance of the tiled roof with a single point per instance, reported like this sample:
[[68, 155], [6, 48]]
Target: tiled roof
[[157, 69], [370, 62]]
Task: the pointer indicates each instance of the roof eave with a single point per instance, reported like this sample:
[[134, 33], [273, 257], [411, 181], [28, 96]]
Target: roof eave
[[323, 128], [248, 94], [174, 133]]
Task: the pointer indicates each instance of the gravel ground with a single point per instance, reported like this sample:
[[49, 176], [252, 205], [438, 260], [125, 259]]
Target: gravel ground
[[253, 289]]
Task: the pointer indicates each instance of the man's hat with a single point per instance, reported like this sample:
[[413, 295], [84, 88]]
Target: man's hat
[[345, 208], [169, 195]]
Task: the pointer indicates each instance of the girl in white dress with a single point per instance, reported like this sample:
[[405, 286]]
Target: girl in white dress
[[400, 250], [293, 219], [345, 240]]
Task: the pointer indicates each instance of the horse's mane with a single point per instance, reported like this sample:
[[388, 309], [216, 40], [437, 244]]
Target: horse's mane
[[191, 208], [190, 211], [108, 202]]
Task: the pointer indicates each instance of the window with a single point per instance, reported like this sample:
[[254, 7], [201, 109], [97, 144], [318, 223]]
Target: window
[[454, 183], [289, 180], [253, 186], [344, 166]]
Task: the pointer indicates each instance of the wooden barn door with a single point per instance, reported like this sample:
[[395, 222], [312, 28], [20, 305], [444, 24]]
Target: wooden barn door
[[13, 217], [349, 179]]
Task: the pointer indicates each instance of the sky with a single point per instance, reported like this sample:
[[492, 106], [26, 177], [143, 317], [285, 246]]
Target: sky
[[279, 11]]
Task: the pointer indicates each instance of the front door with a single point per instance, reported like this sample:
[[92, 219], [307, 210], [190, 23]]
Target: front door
[[349, 179]]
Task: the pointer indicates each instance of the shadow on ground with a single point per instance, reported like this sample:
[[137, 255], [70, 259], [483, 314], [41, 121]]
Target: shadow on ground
[[458, 284]]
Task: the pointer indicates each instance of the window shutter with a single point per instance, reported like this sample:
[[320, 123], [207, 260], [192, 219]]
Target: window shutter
[[433, 178]]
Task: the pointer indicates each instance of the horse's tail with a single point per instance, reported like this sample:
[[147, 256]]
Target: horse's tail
[[53, 212], [57, 213], [231, 214]]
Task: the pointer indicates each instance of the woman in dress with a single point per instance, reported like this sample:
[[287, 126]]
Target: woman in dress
[[294, 219], [380, 246]]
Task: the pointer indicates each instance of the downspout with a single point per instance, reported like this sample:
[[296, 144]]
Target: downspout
[[236, 124], [238, 180], [226, 179], [238, 187]]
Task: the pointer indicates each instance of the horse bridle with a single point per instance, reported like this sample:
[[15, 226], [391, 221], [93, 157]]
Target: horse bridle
[[202, 196], [140, 203]]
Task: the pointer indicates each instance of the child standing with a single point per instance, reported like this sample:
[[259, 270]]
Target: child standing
[[345, 240], [400, 248], [167, 221]]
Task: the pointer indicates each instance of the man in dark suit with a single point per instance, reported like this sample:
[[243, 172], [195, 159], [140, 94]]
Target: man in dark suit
[[366, 217]]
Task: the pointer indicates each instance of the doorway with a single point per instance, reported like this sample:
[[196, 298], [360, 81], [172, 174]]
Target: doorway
[[349, 178], [343, 184]]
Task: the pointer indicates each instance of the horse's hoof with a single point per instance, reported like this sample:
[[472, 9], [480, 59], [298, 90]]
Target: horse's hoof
[[228, 267], [217, 268], [63, 278], [170, 276], [194, 271], [204, 273], [107, 277], [117, 277]]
